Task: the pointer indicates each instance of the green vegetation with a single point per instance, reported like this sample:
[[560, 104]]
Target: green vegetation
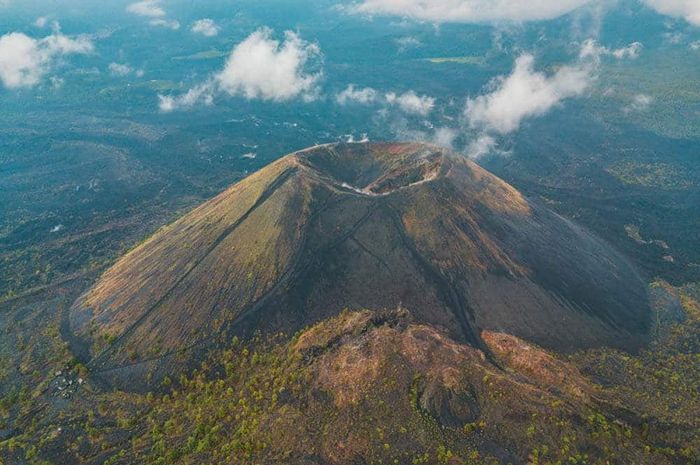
[[463, 60], [675, 98], [278, 401], [205, 55], [659, 387], [659, 175]]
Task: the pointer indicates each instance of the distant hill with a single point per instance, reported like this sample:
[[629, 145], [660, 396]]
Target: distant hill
[[358, 226]]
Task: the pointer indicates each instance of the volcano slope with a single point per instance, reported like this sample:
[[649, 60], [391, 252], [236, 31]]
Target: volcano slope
[[358, 226]]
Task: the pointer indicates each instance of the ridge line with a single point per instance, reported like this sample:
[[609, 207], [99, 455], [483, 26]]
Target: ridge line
[[267, 192]]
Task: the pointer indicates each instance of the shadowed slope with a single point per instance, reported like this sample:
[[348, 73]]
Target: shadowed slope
[[361, 226]]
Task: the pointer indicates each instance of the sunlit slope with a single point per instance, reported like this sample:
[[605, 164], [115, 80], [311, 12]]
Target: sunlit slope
[[371, 225]]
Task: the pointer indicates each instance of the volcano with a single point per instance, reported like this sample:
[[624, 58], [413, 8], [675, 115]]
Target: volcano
[[359, 226]]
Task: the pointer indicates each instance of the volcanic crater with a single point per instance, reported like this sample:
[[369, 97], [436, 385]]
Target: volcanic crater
[[358, 226]]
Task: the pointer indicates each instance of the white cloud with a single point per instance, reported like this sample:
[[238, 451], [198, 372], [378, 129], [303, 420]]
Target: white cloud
[[631, 51], [687, 9], [363, 96], [408, 102], [207, 27], [445, 137], [695, 45], [203, 93], [153, 10], [591, 49], [412, 103], [262, 67], [470, 11], [350, 138], [640, 102], [167, 103], [41, 22], [147, 8], [57, 82], [122, 69], [674, 38], [167, 23], [407, 42], [482, 145], [525, 93], [24, 61], [119, 69]]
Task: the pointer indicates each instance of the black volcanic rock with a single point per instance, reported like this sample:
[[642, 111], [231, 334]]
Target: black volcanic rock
[[355, 226]]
